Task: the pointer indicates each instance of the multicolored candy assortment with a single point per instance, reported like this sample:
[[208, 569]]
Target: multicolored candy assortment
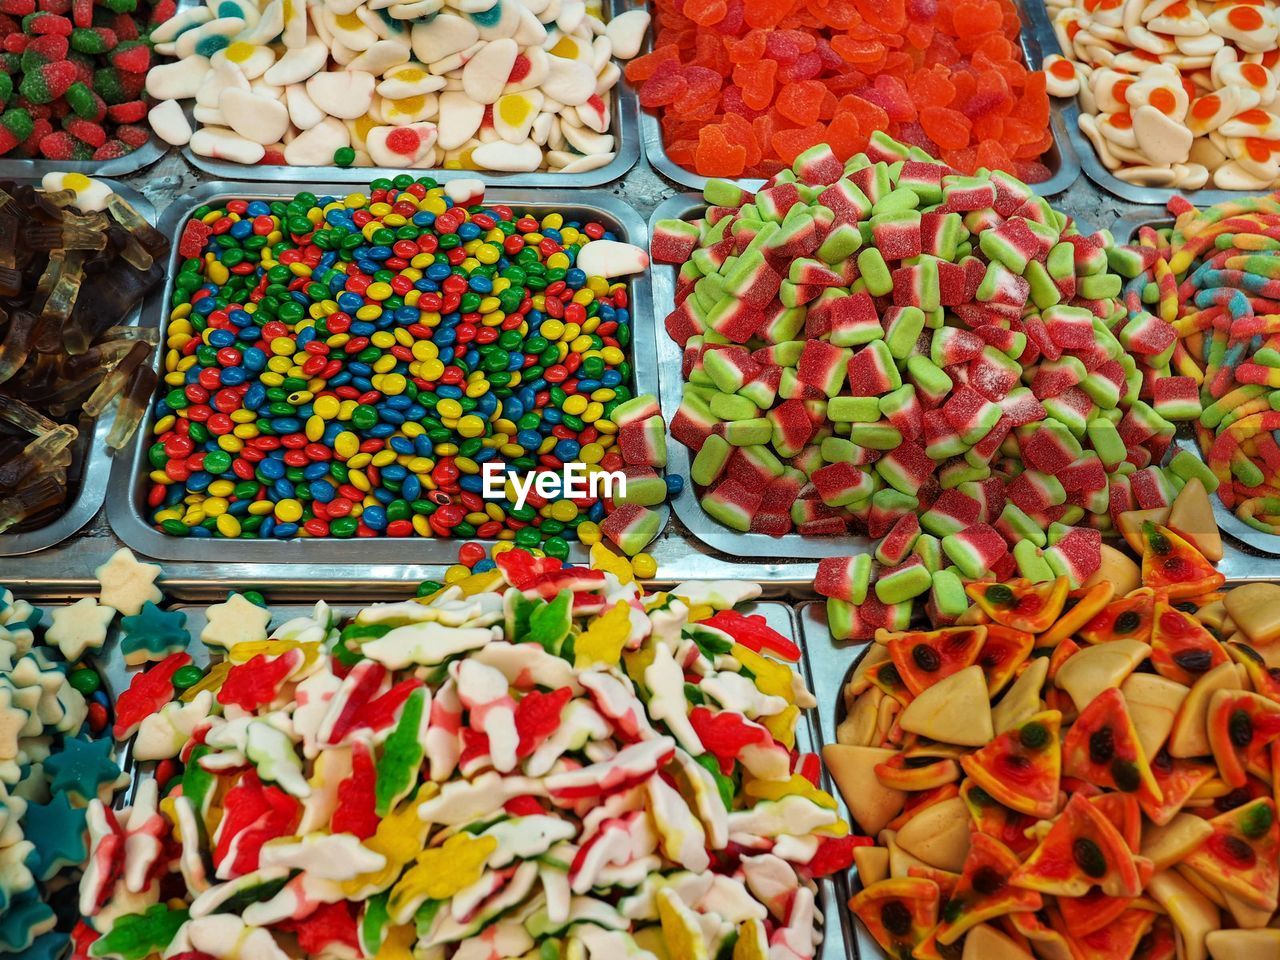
[[347, 366], [1213, 276], [1174, 94], [72, 76], [52, 766], [533, 761], [1087, 774], [884, 590], [744, 87], [871, 342], [510, 86]]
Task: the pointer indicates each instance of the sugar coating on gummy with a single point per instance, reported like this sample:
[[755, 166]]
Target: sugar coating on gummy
[[989, 333]]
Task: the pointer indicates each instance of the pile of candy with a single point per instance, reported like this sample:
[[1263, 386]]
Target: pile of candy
[[744, 87], [1174, 94], [72, 75], [503, 86], [870, 342], [1073, 774], [534, 761], [347, 366], [1213, 276], [866, 595], [50, 768], [75, 258]]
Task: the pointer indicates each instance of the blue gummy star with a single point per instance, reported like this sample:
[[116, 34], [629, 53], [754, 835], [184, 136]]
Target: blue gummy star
[[50, 946], [154, 632], [81, 767], [25, 914], [57, 829]]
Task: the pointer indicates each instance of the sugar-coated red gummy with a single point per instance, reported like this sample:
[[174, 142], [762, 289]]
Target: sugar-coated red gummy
[[744, 86]]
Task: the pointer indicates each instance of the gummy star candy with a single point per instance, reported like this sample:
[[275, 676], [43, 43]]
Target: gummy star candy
[[81, 767], [26, 918], [127, 583], [58, 831], [153, 634], [13, 719], [236, 621], [79, 627]]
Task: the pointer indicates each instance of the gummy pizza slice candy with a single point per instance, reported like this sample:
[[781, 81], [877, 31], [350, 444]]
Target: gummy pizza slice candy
[[1021, 604], [1086, 914], [996, 820], [1021, 768], [1103, 749], [1240, 726], [886, 677], [1181, 648], [1081, 606], [1173, 566], [923, 659], [917, 773], [1003, 652], [1178, 778], [1242, 855], [898, 913], [1081, 850], [1124, 813], [1128, 618], [1119, 938], [983, 891]]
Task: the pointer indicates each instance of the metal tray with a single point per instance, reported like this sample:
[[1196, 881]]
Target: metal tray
[[92, 488], [125, 511], [831, 661], [1067, 111], [624, 108], [1126, 231], [12, 168], [1062, 161], [810, 734]]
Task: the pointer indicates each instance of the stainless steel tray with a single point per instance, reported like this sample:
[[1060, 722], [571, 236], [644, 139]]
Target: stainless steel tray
[[92, 489], [1067, 111], [1062, 160], [12, 168], [1126, 231], [830, 661], [125, 511], [624, 107]]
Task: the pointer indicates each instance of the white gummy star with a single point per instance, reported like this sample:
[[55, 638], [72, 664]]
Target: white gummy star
[[236, 621], [79, 627], [127, 583]]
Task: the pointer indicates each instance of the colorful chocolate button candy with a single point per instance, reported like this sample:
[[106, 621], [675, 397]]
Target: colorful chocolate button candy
[[349, 366]]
